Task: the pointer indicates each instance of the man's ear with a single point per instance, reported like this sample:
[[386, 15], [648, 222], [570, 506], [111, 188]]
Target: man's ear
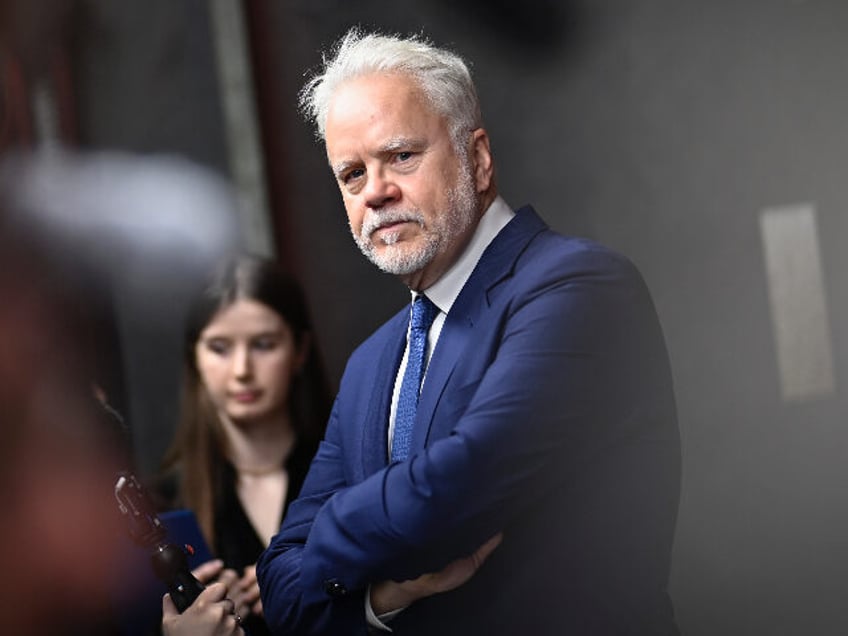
[[481, 155]]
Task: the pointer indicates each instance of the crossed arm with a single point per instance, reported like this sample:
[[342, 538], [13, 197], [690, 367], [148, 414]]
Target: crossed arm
[[388, 596], [546, 382]]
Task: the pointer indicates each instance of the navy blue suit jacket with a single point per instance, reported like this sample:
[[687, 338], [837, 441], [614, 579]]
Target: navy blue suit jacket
[[547, 413]]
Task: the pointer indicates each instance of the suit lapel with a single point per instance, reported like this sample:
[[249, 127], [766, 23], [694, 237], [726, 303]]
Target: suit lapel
[[495, 265], [374, 439]]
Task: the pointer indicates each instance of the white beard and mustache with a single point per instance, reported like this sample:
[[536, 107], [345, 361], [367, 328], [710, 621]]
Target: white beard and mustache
[[404, 258]]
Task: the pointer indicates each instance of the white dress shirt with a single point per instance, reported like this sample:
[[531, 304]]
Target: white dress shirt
[[443, 293]]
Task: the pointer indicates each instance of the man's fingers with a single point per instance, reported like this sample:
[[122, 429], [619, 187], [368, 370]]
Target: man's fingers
[[486, 549]]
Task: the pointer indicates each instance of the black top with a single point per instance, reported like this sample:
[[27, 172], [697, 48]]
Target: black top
[[236, 540], [237, 543]]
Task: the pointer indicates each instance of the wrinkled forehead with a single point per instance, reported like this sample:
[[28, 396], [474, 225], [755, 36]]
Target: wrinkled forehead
[[377, 108], [394, 85]]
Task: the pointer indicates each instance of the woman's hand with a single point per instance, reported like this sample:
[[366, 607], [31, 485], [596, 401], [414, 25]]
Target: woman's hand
[[214, 570], [249, 590], [211, 614]]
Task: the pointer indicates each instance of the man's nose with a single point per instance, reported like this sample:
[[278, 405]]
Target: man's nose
[[380, 189]]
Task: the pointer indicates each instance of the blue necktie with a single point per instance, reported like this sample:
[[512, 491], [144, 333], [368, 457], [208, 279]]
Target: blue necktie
[[423, 314]]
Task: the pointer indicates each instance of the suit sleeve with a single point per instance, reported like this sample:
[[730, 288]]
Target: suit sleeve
[[290, 607], [564, 379]]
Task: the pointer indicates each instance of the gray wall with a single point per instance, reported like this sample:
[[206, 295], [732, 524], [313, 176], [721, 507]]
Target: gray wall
[[660, 127], [146, 84]]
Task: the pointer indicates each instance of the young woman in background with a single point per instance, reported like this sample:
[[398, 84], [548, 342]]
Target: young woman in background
[[254, 406]]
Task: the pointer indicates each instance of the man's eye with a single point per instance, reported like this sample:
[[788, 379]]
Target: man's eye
[[404, 156], [352, 175]]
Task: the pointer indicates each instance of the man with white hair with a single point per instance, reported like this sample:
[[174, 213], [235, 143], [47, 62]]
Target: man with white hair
[[503, 455]]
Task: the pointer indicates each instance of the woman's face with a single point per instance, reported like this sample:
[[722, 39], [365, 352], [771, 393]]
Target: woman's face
[[247, 357]]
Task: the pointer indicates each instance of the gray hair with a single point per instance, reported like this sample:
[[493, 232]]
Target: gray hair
[[443, 76]]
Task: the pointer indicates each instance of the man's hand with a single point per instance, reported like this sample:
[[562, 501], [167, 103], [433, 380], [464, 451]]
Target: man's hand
[[391, 595]]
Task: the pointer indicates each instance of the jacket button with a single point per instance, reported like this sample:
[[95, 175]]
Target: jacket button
[[335, 588]]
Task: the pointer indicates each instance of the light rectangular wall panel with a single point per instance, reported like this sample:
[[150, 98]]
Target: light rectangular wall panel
[[798, 301]]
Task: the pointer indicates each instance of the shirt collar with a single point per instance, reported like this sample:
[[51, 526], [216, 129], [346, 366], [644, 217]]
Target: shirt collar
[[444, 291]]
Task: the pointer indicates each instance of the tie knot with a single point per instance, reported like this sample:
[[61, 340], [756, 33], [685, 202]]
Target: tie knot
[[423, 313]]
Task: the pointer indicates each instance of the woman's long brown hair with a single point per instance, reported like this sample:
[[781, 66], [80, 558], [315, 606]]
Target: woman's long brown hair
[[199, 449]]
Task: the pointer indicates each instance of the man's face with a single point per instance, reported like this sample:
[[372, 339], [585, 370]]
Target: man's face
[[411, 202]]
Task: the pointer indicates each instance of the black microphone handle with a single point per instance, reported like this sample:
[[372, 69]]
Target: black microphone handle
[[171, 566]]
